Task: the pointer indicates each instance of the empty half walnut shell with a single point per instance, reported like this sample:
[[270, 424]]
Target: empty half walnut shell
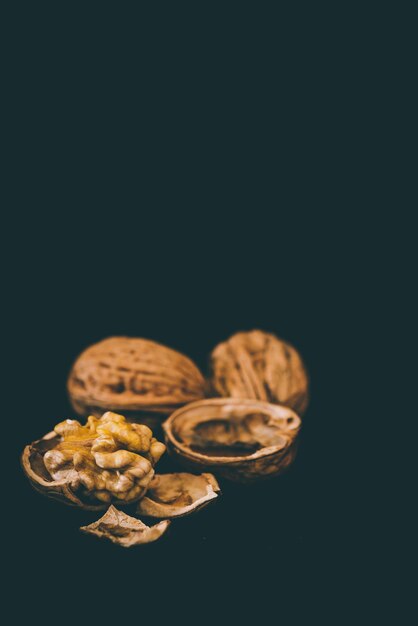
[[177, 495], [258, 365], [107, 460], [135, 377], [242, 440], [124, 530]]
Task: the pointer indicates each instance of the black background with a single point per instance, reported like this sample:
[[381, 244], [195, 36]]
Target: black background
[[190, 292], [182, 197]]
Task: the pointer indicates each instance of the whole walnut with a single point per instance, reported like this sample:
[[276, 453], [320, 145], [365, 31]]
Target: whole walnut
[[137, 377], [258, 365]]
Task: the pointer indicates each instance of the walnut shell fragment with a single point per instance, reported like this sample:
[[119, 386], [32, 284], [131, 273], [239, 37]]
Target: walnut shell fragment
[[133, 376], [124, 530], [177, 495], [258, 365], [242, 440], [106, 460]]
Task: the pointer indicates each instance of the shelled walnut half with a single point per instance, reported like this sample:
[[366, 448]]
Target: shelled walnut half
[[107, 460], [258, 365]]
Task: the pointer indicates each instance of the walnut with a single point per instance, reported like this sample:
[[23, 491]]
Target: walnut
[[134, 376], [241, 440], [258, 365], [124, 530], [177, 495], [106, 460]]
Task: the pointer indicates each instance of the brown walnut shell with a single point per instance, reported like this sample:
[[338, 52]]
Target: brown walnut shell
[[124, 530], [40, 479], [258, 365], [133, 376], [178, 495], [241, 440]]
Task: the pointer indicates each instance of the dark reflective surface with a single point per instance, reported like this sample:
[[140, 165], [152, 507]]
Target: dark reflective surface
[[264, 541]]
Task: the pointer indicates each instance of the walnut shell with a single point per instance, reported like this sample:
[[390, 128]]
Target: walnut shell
[[40, 479], [241, 440], [124, 530], [258, 365], [133, 376], [178, 495]]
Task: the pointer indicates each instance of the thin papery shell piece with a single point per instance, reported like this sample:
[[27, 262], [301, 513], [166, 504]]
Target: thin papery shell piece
[[242, 440], [124, 530], [177, 495]]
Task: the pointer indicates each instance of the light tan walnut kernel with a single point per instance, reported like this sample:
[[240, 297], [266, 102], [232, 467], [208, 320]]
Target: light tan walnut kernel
[[106, 460]]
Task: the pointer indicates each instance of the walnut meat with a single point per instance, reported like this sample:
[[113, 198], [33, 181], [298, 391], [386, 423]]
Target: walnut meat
[[133, 376], [107, 460], [258, 365]]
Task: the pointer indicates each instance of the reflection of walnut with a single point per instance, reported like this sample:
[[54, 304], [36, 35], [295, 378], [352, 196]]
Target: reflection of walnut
[[130, 375], [258, 365], [107, 460]]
